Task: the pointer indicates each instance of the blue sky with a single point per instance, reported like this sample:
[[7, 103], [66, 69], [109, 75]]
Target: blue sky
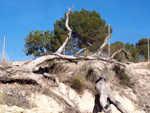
[[130, 20]]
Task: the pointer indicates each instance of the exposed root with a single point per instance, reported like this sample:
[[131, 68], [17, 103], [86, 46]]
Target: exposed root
[[38, 79], [52, 76]]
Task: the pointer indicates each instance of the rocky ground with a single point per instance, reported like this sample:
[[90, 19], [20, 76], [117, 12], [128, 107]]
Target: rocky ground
[[29, 98]]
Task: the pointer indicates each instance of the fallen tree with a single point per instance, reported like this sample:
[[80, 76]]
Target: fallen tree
[[25, 72]]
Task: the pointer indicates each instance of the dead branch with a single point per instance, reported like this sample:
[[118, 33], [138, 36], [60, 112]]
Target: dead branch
[[31, 65], [119, 63], [83, 49], [66, 99], [119, 51], [39, 80], [102, 46], [69, 30], [57, 55]]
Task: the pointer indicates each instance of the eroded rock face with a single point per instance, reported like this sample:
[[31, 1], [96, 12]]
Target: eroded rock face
[[17, 98], [140, 83], [41, 102]]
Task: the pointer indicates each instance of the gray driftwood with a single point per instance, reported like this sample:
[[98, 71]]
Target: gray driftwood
[[105, 98]]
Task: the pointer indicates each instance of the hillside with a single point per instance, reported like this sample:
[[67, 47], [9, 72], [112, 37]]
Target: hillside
[[20, 97]]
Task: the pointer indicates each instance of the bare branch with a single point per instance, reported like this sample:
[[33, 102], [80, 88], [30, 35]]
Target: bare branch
[[71, 8], [65, 98], [83, 49], [119, 51], [30, 66], [102, 47], [80, 51], [37, 78], [69, 30]]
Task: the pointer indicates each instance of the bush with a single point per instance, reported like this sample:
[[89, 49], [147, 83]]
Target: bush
[[78, 83], [17, 95], [124, 78]]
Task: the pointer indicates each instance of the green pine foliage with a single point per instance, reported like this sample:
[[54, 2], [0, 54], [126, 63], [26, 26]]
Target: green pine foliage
[[87, 26], [38, 42], [142, 48]]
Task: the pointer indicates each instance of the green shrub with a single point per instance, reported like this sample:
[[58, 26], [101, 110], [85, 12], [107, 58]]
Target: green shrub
[[78, 83], [124, 78]]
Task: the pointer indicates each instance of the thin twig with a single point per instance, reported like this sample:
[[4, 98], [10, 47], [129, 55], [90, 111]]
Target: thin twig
[[83, 49]]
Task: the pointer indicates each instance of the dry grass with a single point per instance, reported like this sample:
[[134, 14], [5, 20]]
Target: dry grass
[[15, 94], [59, 70], [4, 63], [91, 87], [78, 83]]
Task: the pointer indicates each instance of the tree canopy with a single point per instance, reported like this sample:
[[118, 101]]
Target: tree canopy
[[38, 42], [142, 48], [87, 26]]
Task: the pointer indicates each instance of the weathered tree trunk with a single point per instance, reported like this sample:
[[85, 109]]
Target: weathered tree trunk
[[106, 98]]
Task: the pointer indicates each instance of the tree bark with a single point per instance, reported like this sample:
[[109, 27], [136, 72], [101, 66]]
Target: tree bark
[[31, 65], [106, 98]]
